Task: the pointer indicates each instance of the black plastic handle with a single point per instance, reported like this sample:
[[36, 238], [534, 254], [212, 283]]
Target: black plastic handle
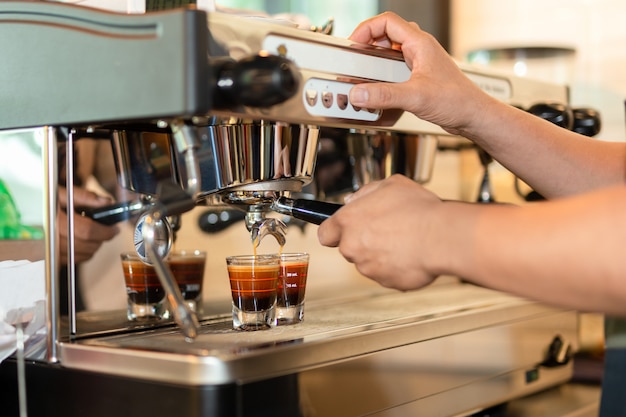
[[313, 211], [256, 81], [112, 214], [557, 113], [586, 122]]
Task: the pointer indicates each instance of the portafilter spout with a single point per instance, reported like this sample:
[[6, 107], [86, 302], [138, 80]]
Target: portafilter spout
[[261, 226], [257, 204]]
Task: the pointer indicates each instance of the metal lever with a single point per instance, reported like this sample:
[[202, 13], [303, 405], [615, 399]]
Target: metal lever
[[311, 211], [183, 316], [174, 201], [485, 194]]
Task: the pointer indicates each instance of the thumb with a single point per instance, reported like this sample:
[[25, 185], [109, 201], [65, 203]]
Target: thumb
[[377, 95], [329, 233], [85, 198]]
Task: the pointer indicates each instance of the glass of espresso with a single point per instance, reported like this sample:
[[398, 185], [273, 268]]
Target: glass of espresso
[[291, 288], [253, 280], [146, 296], [188, 270]]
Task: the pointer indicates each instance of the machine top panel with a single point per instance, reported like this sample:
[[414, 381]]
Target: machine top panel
[[68, 65]]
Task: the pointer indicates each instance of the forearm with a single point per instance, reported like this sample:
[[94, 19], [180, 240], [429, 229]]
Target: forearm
[[554, 161], [564, 252]]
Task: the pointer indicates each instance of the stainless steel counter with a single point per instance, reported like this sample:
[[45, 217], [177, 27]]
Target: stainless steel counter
[[568, 400], [334, 330], [452, 348]]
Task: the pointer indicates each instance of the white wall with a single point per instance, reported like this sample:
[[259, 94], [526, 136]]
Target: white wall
[[595, 28]]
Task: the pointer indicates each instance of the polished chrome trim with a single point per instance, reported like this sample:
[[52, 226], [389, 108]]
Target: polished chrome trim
[[53, 314], [71, 263]]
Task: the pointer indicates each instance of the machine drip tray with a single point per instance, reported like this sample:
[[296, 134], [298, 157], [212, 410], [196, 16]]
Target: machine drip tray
[[445, 350], [334, 330]]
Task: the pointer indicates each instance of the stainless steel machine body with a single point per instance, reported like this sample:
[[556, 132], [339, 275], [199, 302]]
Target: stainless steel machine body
[[451, 349]]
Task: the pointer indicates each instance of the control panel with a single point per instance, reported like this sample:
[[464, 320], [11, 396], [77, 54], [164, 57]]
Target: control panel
[[328, 98]]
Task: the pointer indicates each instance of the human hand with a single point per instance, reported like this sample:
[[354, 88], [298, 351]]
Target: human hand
[[388, 230], [88, 234], [437, 90]]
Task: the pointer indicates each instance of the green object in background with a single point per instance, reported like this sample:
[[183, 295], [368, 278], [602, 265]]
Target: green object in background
[[10, 226]]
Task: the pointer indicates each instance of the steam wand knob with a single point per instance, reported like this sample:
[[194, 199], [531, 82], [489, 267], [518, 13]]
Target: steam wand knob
[[256, 81]]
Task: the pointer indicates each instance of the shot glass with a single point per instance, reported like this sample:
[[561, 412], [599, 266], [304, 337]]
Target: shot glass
[[188, 270], [146, 296], [253, 281], [291, 288]]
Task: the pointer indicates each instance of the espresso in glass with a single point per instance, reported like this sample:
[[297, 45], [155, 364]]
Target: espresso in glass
[[145, 295], [188, 270], [253, 280], [291, 287]]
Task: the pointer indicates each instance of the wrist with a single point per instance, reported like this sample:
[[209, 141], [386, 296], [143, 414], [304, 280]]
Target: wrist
[[454, 238], [480, 121]]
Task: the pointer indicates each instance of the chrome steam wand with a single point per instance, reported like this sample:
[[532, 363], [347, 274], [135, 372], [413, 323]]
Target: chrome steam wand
[[183, 316], [173, 201]]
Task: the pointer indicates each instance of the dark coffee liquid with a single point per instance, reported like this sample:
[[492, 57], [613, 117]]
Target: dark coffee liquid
[[189, 273], [253, 287], [142, 283], [291, 284]]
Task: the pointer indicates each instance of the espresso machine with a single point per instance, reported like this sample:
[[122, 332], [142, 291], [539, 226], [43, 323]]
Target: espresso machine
[[207, 108]]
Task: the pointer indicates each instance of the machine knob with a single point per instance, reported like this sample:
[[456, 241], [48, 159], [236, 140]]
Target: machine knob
[[586, 122], [559, 353], [257, 81], [163, 239], [559, 114]]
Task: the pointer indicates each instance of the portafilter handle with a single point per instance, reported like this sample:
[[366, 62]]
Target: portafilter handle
[[312, 211]]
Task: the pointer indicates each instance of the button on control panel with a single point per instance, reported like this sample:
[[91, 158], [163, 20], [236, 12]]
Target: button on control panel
[[330, 98]]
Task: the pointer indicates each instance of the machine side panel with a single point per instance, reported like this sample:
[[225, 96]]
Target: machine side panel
[[67, 65]]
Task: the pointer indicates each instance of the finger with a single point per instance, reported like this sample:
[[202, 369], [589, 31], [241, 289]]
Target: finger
[[387, 27], [62, 196], [329, 232], [82, 198], [380, 95], [90, 230], [362, 192], [85, 198]]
